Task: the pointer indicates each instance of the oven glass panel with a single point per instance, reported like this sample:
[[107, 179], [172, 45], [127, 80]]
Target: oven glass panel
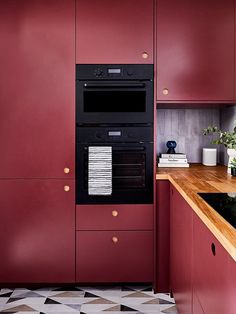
[[128, 170], [115, 101]]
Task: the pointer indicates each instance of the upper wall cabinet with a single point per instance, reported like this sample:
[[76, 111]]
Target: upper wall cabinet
[[195, 50], [37, 88], [114, 31]]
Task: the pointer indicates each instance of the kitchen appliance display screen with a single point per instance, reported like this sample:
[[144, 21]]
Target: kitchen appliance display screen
[[115, 101], [114, 71]]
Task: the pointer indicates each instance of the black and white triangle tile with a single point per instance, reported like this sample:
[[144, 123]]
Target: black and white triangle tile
[[85, 300]]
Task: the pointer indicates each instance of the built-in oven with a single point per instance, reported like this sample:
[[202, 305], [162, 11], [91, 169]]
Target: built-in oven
[[114, 165], [114, 93]]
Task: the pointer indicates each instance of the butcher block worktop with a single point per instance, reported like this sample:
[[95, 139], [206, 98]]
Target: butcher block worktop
[[198, 178]]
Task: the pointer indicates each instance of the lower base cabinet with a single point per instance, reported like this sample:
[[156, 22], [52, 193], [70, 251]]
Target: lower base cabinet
[[202, 273], [37, 227], [211, 272], [181, 251], [114, 256], [114, 243], [162, 236]]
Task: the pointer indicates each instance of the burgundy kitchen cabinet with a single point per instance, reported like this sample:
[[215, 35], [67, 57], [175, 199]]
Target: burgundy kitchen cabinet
[[214, 274], [195, 50], [37, 88], [181, 251], [232, 286], [37, 231], [162, 235], [114, 31], [114, 217], [114, 256], [114, 243], [197, 309]]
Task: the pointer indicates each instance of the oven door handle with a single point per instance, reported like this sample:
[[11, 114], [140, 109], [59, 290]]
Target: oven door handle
[[114, 85]]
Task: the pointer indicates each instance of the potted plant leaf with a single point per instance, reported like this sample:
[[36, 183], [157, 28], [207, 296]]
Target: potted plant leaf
[[226, 138], [233, 167]]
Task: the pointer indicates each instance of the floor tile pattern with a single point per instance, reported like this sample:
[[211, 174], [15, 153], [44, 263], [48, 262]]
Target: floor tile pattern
[[85, 300]]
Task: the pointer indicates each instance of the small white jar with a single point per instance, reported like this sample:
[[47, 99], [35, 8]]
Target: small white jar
[[209, 156]]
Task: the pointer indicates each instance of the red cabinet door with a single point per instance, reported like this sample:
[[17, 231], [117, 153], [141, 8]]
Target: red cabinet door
[[181, 251], [197, 309], [211, 273], [162, 235], [231, 290], [114, 256], [114, 31], [37, 88], [195, 50], [37, 231]]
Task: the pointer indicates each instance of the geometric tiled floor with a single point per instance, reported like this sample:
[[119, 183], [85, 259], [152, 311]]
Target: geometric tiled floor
[[109, 300]]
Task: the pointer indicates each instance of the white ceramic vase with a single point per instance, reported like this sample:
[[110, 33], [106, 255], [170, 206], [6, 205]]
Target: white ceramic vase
[[232, 154]]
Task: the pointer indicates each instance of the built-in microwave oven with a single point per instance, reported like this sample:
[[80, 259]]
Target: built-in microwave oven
[[114, 94]]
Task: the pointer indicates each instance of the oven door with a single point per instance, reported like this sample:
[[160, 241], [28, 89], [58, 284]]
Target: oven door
[[132, 174], [114, 102]]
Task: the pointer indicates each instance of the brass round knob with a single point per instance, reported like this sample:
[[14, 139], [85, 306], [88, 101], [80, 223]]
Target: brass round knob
[[114, 213], [66, 188], [165, 91], [114, 239], [145, 55], [66, 170]]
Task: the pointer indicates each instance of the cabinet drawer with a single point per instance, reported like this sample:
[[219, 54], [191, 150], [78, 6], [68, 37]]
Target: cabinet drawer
[[114, 217], [114, 256]]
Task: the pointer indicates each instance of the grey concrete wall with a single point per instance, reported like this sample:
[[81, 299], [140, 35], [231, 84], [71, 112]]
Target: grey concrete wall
[[185, 127]]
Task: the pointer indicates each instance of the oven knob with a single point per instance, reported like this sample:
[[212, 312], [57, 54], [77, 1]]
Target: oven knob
[[130, 72], [98, 72]]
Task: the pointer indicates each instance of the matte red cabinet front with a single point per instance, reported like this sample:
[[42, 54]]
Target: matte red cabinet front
[[213, 279], [114, 31], [181, 251], [163, 235], [195, 50], [37, 88], [114, 217], [197, 309], [114, 256], [37, 231]]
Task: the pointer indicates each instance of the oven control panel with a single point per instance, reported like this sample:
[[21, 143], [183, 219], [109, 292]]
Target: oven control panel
[[114, 71], [114, 134]]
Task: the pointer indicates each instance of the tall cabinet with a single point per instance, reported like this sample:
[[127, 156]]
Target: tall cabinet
[[37, 140]]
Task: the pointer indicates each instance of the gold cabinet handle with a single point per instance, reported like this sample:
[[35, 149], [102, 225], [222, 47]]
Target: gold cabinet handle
[[145, 55], [165, 91], [66, 188], [114, 213], [66, 170], [114, 239]]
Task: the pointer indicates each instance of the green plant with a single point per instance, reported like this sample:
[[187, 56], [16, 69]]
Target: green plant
[[228, 139], [233, 163]]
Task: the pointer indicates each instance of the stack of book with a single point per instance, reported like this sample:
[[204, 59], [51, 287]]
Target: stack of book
[[173, 160]]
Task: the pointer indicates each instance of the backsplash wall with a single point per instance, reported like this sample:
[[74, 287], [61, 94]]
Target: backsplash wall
[[185, 127]]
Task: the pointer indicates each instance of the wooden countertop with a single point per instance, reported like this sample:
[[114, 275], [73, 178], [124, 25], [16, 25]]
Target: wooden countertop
[[199, 178]]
